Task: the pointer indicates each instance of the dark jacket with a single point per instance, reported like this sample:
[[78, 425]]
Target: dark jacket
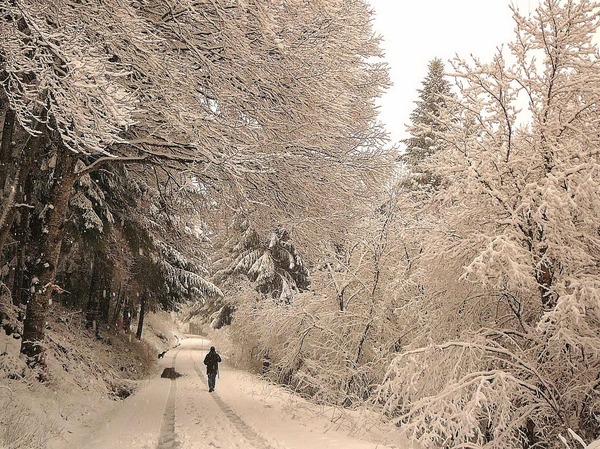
[[212, 361]]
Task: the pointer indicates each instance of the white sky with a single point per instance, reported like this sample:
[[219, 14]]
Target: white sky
[[416, 31]]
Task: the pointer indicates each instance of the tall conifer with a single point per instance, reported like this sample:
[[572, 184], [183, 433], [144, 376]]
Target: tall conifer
[[426, 121]]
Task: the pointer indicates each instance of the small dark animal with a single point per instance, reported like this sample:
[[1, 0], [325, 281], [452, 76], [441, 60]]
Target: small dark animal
[[161, 354]]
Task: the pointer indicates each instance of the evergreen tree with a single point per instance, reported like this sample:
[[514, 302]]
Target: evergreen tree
[[427, 121], [271, 262]]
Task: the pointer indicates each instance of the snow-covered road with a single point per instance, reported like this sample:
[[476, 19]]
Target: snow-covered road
[[243, 413]]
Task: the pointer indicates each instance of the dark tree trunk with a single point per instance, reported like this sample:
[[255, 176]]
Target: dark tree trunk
[[140, 327], [20, 267], [126, 315], [99, 296], [104, 300], [16, 193], [530, 438], [45, 268], [118, 305], [7, 218], [545, 279], [91, 313], [21, 280], [104, 290], [6, 145]]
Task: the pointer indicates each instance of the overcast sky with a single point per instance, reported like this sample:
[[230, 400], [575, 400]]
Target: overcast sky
[[416, 31]]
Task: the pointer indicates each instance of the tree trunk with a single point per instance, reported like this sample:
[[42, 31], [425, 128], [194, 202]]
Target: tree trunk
[[21, 281], [104, 303], [91, 313], [143, 301], [44, 274], [104, 290], [16, 193], [126, 315], [7, 216], [118, 304], [6, 146], [545, 279]]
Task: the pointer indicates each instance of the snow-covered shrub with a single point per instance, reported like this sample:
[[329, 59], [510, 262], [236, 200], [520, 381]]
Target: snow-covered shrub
[[20, 424], [310, 346], [481, 391], [492, 391]]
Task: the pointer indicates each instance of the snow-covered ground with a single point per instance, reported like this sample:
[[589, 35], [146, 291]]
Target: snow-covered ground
[[244, 412]]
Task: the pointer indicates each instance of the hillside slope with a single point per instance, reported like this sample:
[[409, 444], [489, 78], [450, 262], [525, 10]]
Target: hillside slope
[[85, 375]]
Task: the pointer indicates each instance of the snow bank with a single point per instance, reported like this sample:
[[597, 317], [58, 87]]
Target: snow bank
[[85, 376]]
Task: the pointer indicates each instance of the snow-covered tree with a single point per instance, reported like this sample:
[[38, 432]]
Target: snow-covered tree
[[263, 105], [155, 235], [271, 262], [428, 119], [515, 239], [332, 342]]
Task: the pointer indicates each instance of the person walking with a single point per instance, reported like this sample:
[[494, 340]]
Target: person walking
[[212, 361]]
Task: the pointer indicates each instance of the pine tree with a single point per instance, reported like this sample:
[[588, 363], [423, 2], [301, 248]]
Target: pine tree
[[271, 262], [427, 121]]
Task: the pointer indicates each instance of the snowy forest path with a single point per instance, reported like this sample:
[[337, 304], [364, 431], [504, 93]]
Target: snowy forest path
[[243, 413], [248, 433]]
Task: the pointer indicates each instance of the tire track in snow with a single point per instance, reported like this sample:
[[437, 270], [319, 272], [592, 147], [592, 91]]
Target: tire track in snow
[[166, 440], [247, 432]]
